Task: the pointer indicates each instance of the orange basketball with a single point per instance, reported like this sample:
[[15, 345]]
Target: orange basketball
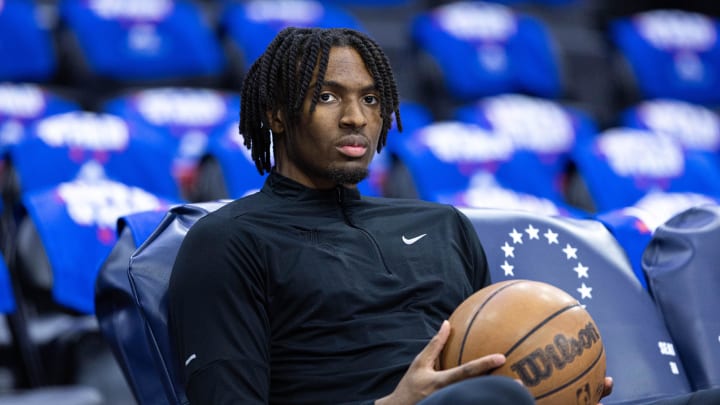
[[551, 343]]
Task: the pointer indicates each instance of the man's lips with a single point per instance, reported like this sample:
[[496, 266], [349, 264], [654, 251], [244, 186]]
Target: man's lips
[[354, 146]]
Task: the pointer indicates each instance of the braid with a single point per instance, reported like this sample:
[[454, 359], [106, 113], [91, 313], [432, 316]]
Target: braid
[[280, 78]]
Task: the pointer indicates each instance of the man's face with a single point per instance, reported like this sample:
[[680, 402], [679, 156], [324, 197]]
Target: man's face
[[336, 143]]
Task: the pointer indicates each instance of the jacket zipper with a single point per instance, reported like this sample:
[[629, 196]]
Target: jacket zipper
[[341, 203]]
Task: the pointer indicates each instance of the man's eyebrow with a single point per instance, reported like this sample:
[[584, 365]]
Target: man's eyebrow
[[337, 85]]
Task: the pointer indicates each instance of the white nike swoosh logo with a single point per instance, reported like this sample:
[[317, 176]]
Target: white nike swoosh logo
[[189, 359], [412, 240]]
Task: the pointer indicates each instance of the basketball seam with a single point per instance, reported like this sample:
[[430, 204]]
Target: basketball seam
[[579, 376], [472, 320], [538, 326]]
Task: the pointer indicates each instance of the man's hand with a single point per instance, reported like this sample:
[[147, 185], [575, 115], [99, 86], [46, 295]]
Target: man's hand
[[422, 379]]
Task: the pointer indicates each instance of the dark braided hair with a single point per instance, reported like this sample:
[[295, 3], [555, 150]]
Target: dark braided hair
[[279, 81]]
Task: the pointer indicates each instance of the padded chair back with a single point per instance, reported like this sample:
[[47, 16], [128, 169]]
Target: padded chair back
[[692, 125], [681, 264], [252, 25], [27, 52], [484, 49], [75, 222], [671, 54], [66, 146], [634, 226], [186, 117], [621, 165], [132, 304], [142, 40], [447, 157], [22, 104], [581, 257], [544, 133]]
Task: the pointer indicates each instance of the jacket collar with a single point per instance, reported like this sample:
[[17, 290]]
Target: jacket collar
[[287, 188]]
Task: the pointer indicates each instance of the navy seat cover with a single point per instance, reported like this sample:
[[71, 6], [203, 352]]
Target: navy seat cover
[[681, 264], [581, 257]]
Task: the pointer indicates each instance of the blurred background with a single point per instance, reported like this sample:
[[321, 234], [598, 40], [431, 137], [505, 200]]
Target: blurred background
[[603, 109]]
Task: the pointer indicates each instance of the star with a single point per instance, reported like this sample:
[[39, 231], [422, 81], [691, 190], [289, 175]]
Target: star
[[551, 236], [508, 269], [509, 250], [585, 291], [570, 251], [532, 232], [516, 236], [582, 271]]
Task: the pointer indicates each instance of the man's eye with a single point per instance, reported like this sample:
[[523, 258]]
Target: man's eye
[[326, 97], [371, 99]]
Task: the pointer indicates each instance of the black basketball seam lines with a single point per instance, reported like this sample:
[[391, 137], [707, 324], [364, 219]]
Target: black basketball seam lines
[[472, 320], [540, 325], [587, 370]]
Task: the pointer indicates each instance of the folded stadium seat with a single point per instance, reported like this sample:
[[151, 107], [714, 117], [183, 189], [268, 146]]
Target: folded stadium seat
[[484, 192], [480, 49], [581, 257], [21, 104], [681, 267], [97, 144], [542, 130], [633, 226], [444, 156], [137, 42], [249, 26], [669, 54], [75, 224], [692, 125], [621, 165], [27, 50], [24, 103], [132, 306], [186, 117]]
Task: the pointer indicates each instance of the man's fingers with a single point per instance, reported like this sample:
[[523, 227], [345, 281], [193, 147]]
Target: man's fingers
[[473, 368], [431, 352]]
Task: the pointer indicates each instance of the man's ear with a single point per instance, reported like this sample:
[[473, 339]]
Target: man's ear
[[277, 121]]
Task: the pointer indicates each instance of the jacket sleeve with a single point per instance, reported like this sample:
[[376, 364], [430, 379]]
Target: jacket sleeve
[[217, 315], [478, 272]]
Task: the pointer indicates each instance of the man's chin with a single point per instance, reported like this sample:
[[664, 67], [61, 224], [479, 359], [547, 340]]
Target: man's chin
[[348, 175]]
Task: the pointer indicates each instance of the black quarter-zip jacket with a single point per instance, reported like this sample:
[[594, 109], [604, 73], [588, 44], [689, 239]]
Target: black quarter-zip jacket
[[295, 295]]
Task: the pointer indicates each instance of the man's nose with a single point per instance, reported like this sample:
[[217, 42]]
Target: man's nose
[[353, 115]]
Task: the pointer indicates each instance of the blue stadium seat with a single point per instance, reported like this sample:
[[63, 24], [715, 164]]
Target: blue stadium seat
[[633, 226], [680, 263], [621, 165], [138, 41], [543, 131], [75, 222], [185, 117], [671, 54], [251, 25], [484, 49], [24, 103], [132, 305], [443, 157], [581, 257], [26, 44], [82, 143], [694, 126]]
